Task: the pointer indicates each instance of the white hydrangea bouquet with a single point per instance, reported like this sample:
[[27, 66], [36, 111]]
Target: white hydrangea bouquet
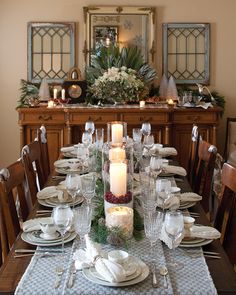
[[118, 85]]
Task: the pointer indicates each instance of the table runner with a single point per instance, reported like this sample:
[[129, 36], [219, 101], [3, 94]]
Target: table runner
[[194, 278]]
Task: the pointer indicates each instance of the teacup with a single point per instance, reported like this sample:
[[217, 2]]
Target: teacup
[[118, 256], [48, 228], [188, 222]]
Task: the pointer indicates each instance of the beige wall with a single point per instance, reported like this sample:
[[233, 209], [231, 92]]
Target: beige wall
[[15, 14]]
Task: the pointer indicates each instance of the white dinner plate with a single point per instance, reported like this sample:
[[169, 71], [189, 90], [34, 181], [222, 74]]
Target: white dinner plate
[[88, 273], [36, 236], [63, 167], [192, 241], [52, 203], [192, 245], [28, 239]]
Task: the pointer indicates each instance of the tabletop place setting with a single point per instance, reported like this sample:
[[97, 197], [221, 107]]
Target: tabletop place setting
[[119, 218]]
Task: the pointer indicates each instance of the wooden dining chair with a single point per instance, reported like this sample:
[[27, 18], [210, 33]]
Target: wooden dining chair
[[193, 154], [14, 204], [230, 142], [202, 182], [32, 159], [42, 138], [225, 220]]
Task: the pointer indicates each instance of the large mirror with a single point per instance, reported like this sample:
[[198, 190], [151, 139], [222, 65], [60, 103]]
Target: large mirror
[[122, 25], [51, 51]]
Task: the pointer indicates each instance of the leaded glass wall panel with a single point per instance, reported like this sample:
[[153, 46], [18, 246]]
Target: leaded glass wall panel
[[186, 52]]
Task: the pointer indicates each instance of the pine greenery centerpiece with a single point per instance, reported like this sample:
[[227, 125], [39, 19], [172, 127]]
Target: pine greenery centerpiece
[[117, 75]]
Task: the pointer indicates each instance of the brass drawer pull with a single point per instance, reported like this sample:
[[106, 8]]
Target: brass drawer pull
[[145, 119], [45, 117], [95, 119], [194, 119]]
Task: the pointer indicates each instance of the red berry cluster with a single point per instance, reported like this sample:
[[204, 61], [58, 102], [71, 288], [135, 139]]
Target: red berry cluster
[[110, 198]]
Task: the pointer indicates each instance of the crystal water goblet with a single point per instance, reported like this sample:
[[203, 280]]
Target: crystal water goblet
[[72, 183], [62, 217], [88, 186], [87, 138], [82, 154], [152, 226], [163, 188], [89, 127], [99, 138], [156, 166], [82, 221], [174, 226], [146, 128]]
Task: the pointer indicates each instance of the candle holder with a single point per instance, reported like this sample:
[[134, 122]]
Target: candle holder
[[118, 181], [121, 217], [116, 133]]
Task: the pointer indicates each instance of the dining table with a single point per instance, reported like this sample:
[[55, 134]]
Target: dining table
[[30, 275]]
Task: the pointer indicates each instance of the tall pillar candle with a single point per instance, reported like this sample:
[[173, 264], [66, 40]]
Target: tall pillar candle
[[54, 93], [63, 94], [118, 179], [117, 133]]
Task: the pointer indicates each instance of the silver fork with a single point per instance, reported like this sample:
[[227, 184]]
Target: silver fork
[[71, 278], [59, 273]]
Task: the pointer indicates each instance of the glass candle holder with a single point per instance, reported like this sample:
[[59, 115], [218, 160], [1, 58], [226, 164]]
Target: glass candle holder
[[116, 133]]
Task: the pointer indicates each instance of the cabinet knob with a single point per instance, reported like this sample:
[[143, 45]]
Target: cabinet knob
[[145, 119], [95, 119], [45, 117]]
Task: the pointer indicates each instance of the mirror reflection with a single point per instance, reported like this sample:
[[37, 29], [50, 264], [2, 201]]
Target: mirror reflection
[[124, 26]]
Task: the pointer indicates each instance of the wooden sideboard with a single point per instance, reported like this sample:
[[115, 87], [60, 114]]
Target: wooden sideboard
[[169, 125]]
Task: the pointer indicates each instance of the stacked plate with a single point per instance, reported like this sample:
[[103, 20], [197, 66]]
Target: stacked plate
[[194, 242], [53, 202], [36, 238], [66, 166], [136, 271]]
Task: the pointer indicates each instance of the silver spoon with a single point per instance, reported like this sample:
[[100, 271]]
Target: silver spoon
[[164, 273]]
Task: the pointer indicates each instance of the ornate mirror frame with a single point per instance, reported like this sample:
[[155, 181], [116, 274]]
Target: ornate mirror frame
[[51, 50], [111, 16], [186, 52]]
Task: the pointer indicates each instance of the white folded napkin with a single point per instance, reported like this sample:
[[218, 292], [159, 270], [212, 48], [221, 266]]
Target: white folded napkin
[[67, 149], [172, 202], [204, 232], [34, 224], [175, 170], [51, 192], [110, 271], [190, 197], [162, 151]]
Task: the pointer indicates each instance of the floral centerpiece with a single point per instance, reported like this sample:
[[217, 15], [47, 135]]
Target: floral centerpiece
[[118, 75], [118, 85]]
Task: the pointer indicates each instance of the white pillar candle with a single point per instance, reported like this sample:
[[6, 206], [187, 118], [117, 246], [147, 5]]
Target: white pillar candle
[[54, 93], [63, 94], [50, 104], [142, 103], [117, 133], [118, 179], [116, 154], [122, 217]]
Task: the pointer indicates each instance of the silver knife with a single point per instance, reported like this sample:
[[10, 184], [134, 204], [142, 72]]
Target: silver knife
[[71, 278]]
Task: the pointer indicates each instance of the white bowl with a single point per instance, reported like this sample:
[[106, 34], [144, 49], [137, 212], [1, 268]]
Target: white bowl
[[118, 256]]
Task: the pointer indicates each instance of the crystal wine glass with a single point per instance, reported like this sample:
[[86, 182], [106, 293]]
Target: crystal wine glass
[[89, 127], [87, 138], [174, 226], [82, 154], [137, 135], [156, 166], [163, 188], [88, 185], [82, 221], [62, 217], [146, 128], [99, 138], [148, 142], [152, 225], [72, 183]]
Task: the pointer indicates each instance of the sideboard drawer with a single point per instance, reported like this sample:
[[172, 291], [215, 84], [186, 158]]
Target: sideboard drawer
[[43, 117], [97, 118], [194, 117], [139, 118]]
